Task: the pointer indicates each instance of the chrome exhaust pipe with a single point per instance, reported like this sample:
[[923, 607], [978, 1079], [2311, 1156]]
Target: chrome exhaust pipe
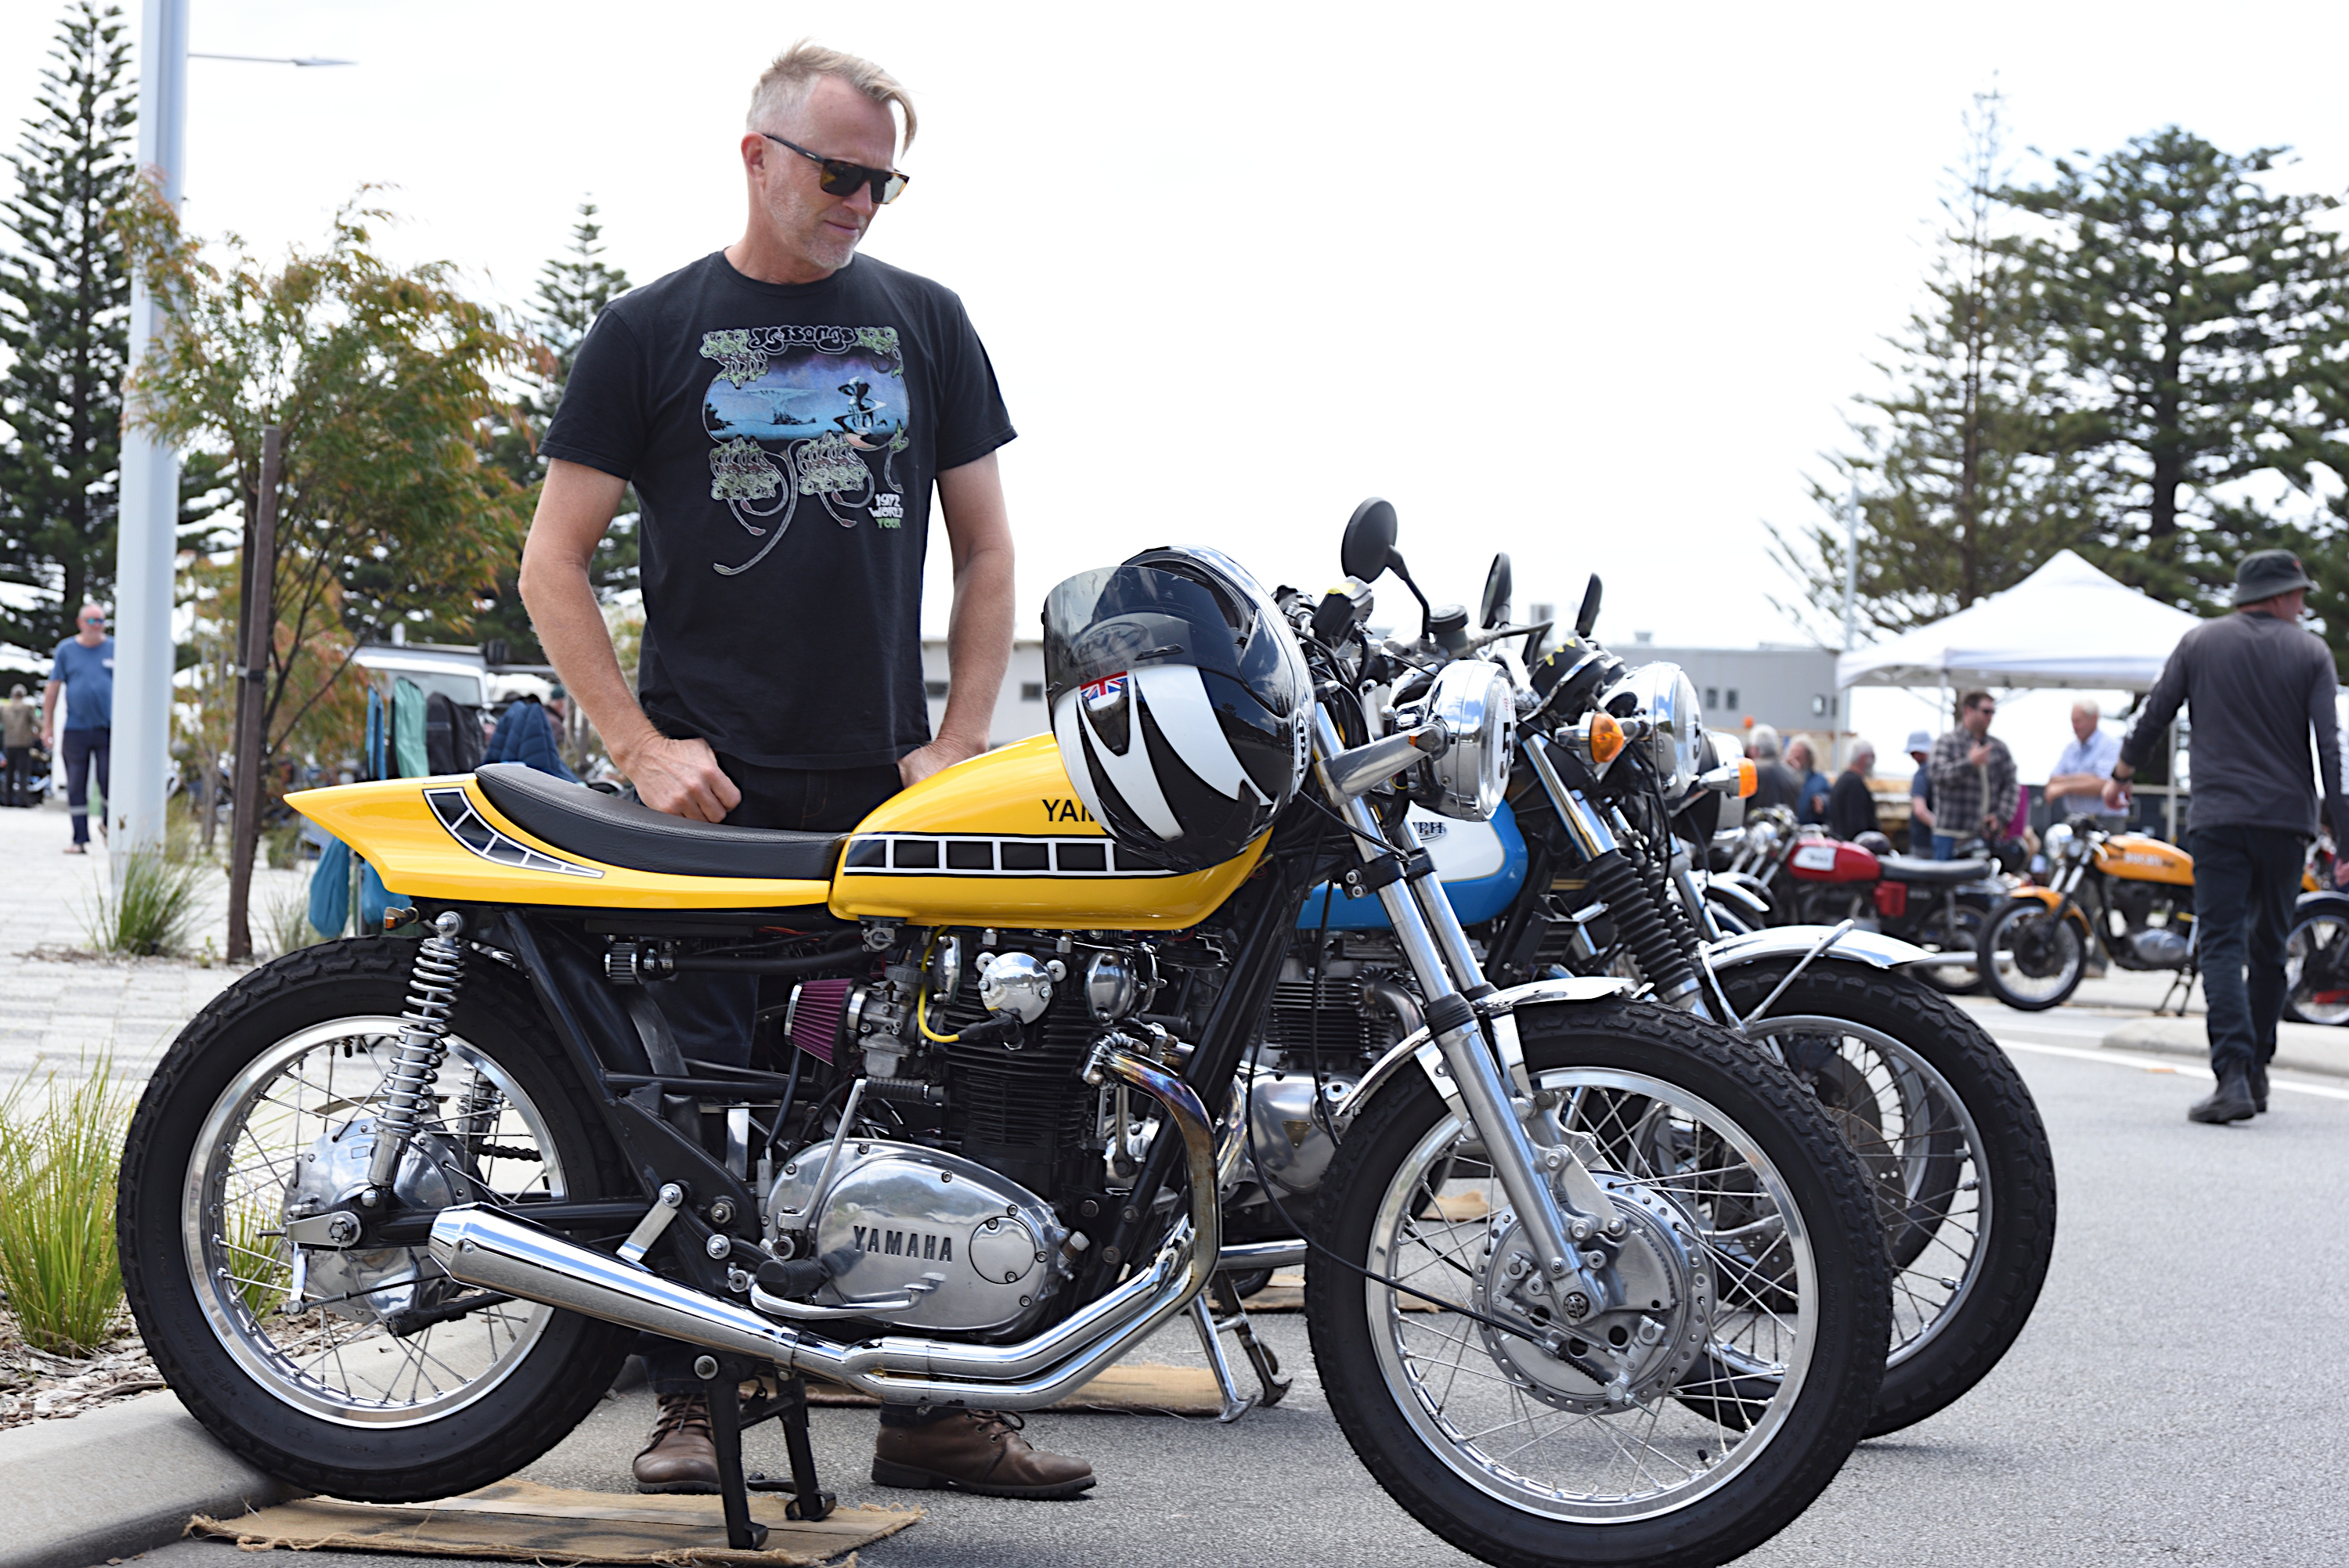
[[492, 1249]]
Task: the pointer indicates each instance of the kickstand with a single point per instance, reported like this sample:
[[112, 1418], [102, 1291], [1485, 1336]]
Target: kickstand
[[2185, 978], [791, 1403], [1259, 1354], [723, 1380], [1228, 1388]]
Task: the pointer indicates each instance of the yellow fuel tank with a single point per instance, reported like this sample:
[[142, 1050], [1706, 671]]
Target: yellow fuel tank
[[1003, 839], [2141, 856]]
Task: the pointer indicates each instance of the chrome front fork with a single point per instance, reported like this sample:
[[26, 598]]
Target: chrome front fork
[[1498, 1097]]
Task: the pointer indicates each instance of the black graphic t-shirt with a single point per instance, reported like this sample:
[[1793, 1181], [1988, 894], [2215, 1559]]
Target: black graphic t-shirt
[[783, 438]]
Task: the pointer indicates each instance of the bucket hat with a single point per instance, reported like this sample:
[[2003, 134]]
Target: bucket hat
[[2264, 573]]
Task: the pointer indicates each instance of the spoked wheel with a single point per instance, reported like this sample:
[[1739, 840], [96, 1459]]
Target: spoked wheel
[[2316, 971], [1688, 1415], [1955, 1153], [367, 1372], [1958, 932], [2031, 960]]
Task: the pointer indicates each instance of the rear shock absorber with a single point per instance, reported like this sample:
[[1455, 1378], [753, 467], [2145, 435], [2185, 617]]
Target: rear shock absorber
[[432, 982], [1643, 927]]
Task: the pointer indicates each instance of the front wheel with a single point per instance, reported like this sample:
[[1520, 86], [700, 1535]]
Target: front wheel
[[2031, 960], [364, 1373], [1697, 1409], [1955, 929], [2316, 970]]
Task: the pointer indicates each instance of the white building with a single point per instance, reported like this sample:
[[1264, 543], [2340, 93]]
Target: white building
[[1020, 710]]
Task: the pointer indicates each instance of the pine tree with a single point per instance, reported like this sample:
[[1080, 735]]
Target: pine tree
[[572, 288], [65, 308], [2201, 320], [1964, 489]]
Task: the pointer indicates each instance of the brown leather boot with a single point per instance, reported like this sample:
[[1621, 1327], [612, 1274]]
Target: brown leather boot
[[679, 1456], [976, 1451]]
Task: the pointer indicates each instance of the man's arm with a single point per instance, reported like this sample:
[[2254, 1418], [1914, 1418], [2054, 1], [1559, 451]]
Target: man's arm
[[2323, 720], [978, 633], [48, 711], [1947, 762], [1998, 810], [574, 507]]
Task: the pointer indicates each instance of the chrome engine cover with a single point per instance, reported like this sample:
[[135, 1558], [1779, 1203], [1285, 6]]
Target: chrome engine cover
[[978, 1254], [1289, 1146]]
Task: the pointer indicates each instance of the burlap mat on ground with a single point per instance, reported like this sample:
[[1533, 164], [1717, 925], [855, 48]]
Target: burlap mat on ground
[[1140, 1388], [531, 1523]]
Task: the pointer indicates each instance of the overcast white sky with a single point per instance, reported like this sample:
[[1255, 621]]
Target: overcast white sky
[[1588, 283]]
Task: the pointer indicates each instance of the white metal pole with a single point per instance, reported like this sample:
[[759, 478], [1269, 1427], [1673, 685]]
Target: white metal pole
[[147, 543], [1851, 597]]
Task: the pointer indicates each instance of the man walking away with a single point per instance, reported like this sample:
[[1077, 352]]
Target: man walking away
[[1920, 793], [783, 408], [2256, 688], [1851, 804], [83, 668], [18, 729], [1973, 780], [2082, 770], [1774, 783]]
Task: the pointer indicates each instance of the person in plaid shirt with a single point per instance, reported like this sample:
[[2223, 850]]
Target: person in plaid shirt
[[1973, 778]]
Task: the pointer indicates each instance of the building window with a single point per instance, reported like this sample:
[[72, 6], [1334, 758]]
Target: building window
[[1032, 691], [1732, 696], [1712, 696], [1818, 705], [933, 689]]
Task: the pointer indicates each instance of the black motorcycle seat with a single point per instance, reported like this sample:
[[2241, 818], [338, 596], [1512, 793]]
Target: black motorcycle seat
[[1916, 868], [625, 833]]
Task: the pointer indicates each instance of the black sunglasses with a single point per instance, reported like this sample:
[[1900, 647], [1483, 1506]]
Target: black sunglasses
[[841, 178]]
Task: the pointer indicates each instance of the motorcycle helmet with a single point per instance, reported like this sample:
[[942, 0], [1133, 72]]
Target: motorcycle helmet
[[1180, 700]]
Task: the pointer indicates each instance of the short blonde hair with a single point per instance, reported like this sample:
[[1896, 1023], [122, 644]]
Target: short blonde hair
[[785, 84]]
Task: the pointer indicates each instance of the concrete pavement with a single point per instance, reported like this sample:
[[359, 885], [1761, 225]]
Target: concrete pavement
[[2175, 1398]]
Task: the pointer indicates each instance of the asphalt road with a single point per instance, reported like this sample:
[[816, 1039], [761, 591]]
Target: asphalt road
[[2175, 1399]]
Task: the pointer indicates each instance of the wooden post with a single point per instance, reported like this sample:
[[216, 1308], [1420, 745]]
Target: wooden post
[[256, 635]]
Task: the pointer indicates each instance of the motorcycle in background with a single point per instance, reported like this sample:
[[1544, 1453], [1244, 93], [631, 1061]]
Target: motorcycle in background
[[2129, 896]]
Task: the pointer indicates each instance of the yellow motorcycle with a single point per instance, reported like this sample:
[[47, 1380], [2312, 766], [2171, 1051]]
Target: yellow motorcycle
[[393, 1208]]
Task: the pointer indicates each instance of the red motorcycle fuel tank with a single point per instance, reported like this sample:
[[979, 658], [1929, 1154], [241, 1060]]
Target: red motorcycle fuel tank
[[1832, 861]]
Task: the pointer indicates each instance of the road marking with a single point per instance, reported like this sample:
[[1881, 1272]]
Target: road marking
[[2154, 1065]]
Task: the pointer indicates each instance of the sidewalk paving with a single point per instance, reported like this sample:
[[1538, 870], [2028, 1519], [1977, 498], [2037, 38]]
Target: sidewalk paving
[[61, 1013]]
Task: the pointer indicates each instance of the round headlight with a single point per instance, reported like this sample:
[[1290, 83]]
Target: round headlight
[[1666, 698], [2058, 842], [1473, 701]]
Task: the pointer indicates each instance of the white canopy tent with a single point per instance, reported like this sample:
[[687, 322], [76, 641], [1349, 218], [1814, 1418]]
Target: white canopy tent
[[2066, 624]]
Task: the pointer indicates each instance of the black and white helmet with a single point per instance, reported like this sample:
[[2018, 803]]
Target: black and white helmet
[[1181, 702]]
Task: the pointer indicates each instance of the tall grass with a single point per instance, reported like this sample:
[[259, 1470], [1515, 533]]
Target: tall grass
[[161, 901], [58, 1161], [284, 922]]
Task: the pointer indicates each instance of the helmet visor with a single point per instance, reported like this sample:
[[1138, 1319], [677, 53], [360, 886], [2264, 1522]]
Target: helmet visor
[[1100, 625]]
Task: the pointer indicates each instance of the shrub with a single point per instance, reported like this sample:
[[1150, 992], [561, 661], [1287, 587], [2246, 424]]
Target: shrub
[[160, 900], [58, 1162], [285, 920]]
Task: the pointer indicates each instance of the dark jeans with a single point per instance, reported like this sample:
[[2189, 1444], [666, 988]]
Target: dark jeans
[[2246, 881], [20, 776], [712, 1014], [82, 748]]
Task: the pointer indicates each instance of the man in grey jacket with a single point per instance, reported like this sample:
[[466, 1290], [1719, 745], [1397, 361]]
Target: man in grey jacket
[[2257, 687]]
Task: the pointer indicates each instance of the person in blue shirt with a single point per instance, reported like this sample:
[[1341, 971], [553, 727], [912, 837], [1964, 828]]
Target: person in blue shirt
[[2077, 783], [1811, 798], [525, 734], [83, 668]]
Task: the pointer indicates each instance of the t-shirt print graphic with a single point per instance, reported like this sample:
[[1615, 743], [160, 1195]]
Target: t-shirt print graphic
[[804, 414]]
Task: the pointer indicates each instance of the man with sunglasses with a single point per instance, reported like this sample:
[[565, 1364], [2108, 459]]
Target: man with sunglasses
[[1974, 784], [83, 668], [783, 409]]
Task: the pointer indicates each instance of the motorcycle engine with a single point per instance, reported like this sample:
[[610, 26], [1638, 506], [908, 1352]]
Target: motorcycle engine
[[964, 1250]]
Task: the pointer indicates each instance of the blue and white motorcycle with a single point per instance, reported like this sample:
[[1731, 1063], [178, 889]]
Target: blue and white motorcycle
[[1580, 865]]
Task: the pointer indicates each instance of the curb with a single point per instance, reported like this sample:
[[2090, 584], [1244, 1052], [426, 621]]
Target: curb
[[121, 1479], [2299, 1048]]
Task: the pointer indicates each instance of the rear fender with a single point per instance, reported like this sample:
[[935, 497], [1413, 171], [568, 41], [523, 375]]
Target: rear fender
[[1872, 948]]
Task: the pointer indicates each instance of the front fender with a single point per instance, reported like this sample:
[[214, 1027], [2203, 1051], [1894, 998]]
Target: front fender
[[1869, 947], [1419, 1046], [2327, 902]]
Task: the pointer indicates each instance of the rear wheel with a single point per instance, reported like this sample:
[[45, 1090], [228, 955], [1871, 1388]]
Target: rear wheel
[[2316, 970], [2031, 960], [1954, 1151], [1691, 1414], [365, 1373]]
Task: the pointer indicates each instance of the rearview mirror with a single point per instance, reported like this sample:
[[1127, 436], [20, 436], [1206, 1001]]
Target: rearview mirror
[[1367, 547], [1492, 610], [1588, 617]]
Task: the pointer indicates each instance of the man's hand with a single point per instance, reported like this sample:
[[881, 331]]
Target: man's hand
[[45, 741], [1979, 755], [681, 777], [2116, 795], [936, 758]]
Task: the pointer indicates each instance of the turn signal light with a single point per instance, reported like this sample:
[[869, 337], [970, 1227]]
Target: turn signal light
[[1606, 738], [1749, 778]]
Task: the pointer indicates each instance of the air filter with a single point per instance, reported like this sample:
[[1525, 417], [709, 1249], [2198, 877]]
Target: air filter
[[811, 1022]]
